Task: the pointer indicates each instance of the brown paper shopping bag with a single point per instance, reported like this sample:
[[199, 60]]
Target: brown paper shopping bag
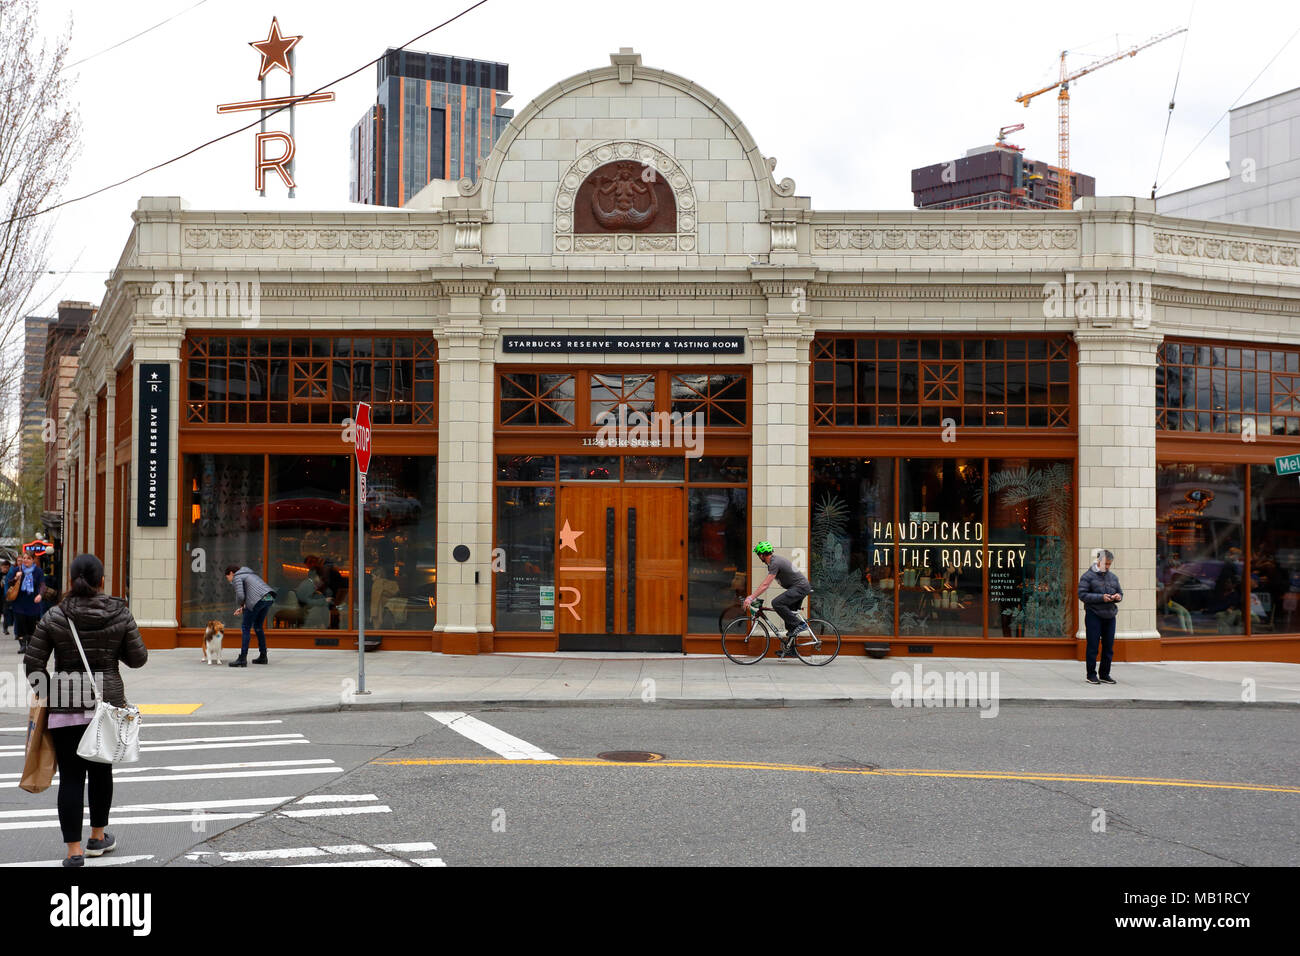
[[38, 767]]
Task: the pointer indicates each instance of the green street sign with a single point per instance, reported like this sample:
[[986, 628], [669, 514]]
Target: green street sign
[[1287, 465]]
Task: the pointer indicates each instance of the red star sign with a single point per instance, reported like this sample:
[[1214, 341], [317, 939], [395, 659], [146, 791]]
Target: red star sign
[[275, 50], [569, 537]]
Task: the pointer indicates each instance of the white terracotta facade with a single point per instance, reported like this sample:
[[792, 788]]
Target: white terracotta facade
[[749, 257]]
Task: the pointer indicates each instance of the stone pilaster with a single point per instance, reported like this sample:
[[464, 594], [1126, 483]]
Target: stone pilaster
[[465, 406], [154, 570], [1117, 467], [781, 415], [110, 499]]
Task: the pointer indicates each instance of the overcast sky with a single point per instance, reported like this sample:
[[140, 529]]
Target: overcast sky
[[848, 96]]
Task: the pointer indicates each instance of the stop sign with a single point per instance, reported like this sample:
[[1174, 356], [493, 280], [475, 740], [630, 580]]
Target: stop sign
[[362, 437]]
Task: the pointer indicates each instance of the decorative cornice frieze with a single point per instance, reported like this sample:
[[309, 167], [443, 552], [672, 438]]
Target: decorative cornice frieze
[[626, 243], [1226, 301], [1191, 246], [845, 239], [389, 239], [647, 290]]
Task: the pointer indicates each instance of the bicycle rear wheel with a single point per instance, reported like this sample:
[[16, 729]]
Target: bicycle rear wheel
[[745, 640], [818, 644]]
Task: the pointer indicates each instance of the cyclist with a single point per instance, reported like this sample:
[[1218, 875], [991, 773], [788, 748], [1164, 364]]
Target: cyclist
[[796, 586]]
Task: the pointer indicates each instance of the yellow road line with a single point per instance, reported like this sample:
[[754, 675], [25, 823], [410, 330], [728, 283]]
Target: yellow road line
[[172, 709], [796, 768]]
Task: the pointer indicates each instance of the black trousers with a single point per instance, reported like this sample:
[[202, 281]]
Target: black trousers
[[787, 604], [1101, 631], [73, 774], [25, 625]]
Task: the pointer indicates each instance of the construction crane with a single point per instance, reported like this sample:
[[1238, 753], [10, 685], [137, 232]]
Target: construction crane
[[1066, 200], [1002, 135]]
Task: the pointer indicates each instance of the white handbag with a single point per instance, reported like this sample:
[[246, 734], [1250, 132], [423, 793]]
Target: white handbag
[[113, 734]]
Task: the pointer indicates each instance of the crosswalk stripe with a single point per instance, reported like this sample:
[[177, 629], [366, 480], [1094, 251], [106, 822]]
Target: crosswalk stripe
[[206, 806], [428, 861], [175, 723], [336, 811], [98, 861], [379, 861], [405, 847], [153, 749], [339, 798], [238, 765], [495, 740], [205, 817], [238, 774]]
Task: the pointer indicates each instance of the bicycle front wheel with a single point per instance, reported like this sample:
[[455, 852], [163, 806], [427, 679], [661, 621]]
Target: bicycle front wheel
[[818, 643], [745, 640]]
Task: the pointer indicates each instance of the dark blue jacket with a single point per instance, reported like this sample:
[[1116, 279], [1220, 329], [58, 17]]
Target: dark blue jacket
[[1093, 588], [25, 603]]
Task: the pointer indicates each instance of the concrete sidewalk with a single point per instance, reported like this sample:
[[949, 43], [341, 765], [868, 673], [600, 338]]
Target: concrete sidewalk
[[176, 681]]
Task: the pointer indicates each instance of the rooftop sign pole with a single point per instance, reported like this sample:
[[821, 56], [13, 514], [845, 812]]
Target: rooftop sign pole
[[277, 53]]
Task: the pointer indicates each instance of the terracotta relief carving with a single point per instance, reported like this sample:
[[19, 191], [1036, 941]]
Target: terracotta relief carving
[[625, 196]]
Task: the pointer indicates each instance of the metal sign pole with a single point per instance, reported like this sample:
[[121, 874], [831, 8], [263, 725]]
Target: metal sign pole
[[359, 581]]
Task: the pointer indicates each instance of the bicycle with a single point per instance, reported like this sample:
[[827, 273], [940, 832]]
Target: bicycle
[[816, 642]]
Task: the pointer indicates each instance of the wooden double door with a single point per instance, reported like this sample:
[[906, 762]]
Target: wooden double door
[[620, 567]]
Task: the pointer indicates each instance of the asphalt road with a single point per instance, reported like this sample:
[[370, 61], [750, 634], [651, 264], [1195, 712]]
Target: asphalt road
[[852, 785]]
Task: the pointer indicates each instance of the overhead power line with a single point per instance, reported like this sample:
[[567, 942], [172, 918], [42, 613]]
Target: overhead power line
[[87, 59], [235, 132], [1281, 49]]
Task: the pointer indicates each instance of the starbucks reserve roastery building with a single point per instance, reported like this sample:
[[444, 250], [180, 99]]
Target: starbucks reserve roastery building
[[943, 411]]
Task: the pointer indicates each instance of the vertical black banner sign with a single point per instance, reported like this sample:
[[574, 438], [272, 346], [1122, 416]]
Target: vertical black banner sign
[[153, 447]]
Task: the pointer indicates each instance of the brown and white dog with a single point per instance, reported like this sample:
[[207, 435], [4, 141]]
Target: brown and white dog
[[212, 636]]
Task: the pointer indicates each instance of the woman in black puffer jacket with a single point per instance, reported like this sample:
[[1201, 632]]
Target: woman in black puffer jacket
[[108, 635]]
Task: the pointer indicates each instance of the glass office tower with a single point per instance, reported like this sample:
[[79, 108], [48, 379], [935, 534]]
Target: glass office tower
[[435, 117]]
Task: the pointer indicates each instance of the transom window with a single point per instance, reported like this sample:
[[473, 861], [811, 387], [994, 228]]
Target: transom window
[[593, 398], [262, 379], [1214, 388], [892, 382]]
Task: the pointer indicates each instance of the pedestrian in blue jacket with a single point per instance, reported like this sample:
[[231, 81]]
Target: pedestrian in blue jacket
[[1100, 593], [27, 606]]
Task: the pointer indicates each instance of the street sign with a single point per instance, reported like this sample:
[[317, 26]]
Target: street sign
[[1287, 465], [361, 430]]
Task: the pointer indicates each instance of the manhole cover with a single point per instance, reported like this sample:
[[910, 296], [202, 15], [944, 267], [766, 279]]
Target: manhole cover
[[850, 765], [630, 756]]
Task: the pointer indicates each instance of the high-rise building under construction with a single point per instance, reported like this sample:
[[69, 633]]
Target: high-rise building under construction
[[997, 176]]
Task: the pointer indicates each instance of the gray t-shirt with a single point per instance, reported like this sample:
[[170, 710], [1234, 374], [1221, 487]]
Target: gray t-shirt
[[786, 575]]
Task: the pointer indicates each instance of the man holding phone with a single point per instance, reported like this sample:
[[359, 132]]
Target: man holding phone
[[1100, 593]]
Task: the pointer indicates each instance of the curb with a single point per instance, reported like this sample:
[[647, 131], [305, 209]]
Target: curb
[[755, 704]]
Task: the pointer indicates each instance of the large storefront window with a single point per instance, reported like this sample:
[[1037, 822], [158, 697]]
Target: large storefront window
[[1031, 517], [305, 519], [939, 569], [401, 543], [308, 515], [1200, 549], [940, 536], [1275, 552], [852, 560], [221, 524]]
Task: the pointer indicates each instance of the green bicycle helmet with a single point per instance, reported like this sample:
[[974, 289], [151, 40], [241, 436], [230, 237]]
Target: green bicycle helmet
[[763, 547]]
